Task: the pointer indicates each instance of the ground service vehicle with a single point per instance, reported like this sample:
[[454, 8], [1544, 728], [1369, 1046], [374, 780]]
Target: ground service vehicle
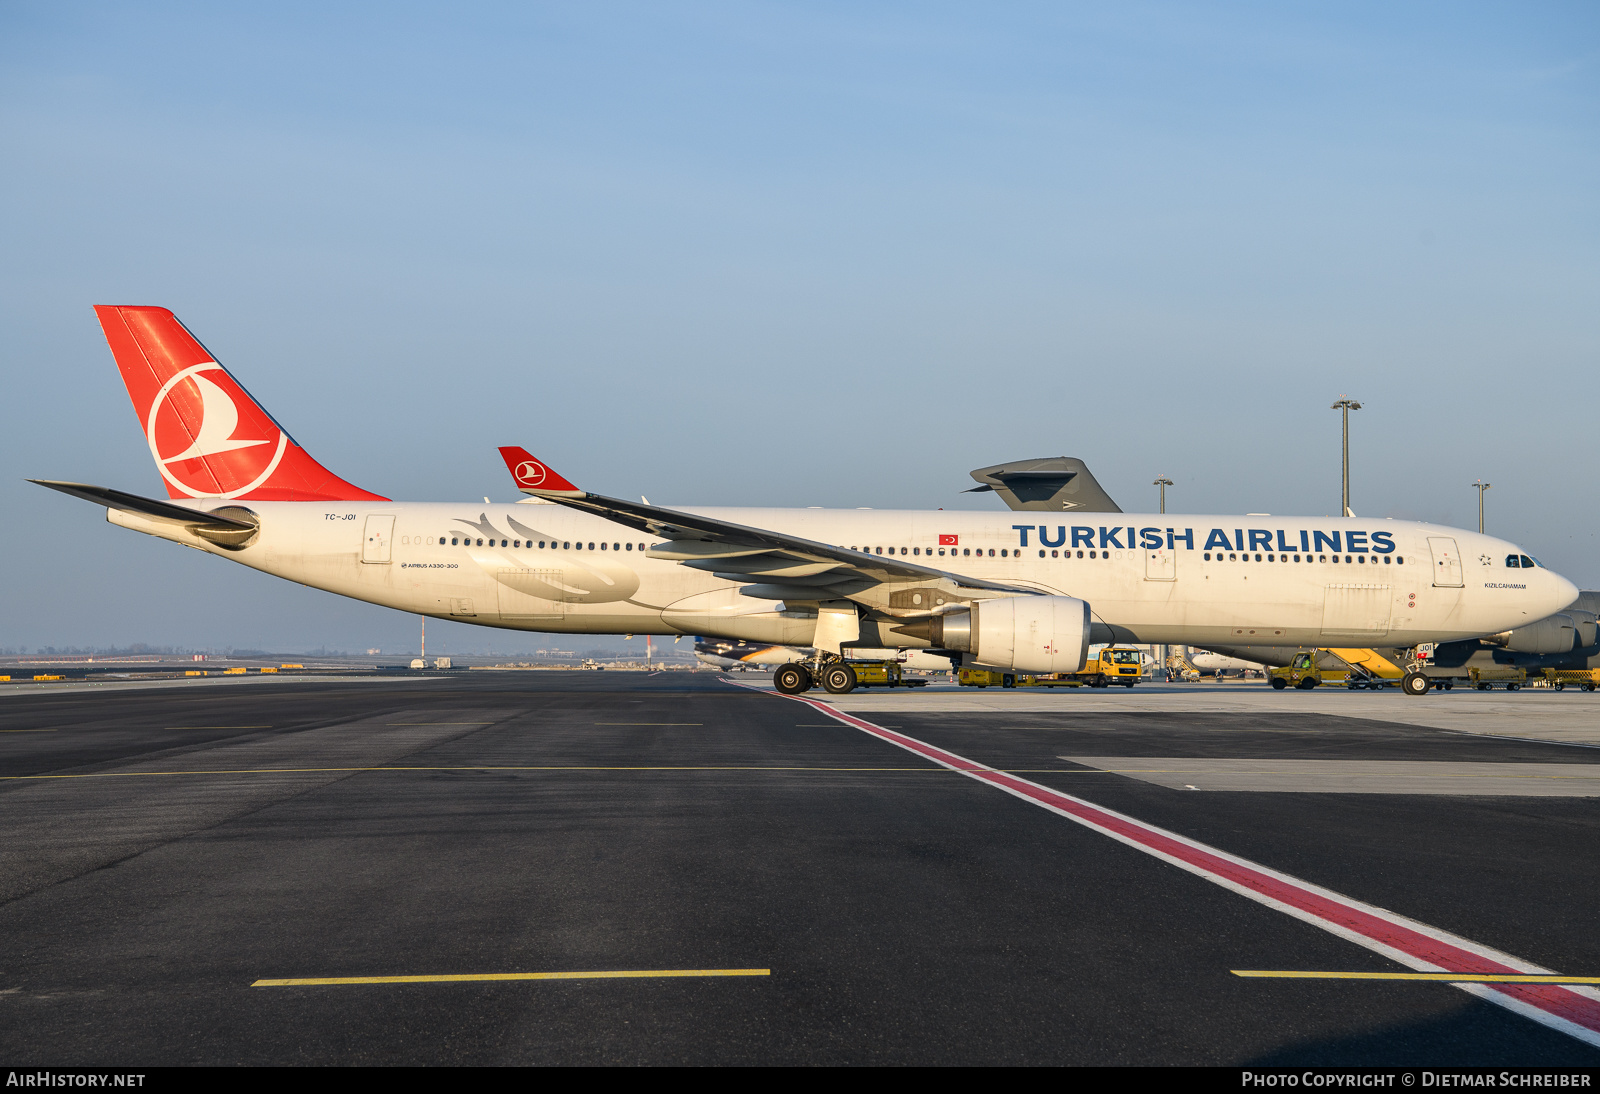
[[1309, 669], [1585, 679], [1355, 669], [1112, 665], [883, 674], [1485, 679]]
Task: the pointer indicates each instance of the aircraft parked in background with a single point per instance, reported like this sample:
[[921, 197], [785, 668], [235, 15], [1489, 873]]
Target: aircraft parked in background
[[1217, 663]]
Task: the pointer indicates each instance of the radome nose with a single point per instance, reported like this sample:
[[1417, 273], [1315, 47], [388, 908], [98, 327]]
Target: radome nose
[[1563, 593]]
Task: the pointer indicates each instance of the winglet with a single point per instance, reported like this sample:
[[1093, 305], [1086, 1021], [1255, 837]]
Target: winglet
[[533, 477]]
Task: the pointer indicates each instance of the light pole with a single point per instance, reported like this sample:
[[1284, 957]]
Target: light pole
[[1346, 405], [1163, 482], [1482, 486]]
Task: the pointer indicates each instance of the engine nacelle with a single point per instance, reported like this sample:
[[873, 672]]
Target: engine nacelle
[[1557, 634], [1025, 633], [1588, 633]]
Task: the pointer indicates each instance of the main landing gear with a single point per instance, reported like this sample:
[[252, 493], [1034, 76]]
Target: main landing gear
[[837, 678], [792, 679], [1415, 683]]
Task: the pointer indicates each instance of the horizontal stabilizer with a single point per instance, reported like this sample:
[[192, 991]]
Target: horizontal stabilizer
[[150, 507]]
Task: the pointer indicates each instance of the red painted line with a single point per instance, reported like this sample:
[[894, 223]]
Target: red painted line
[[1574, 1010]]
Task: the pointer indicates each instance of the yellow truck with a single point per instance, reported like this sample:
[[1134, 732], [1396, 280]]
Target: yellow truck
[[1350, 668], [1307, 670], [1112, 665]]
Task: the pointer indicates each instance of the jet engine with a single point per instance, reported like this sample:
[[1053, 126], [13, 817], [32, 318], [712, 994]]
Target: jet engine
[[1025, 633], [1556, 634], [1586, 622]]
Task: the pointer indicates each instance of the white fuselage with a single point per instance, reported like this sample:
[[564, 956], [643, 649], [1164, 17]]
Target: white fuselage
[[1195, 580], [1206, 661]]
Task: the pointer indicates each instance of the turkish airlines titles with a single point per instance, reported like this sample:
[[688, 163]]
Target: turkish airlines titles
[[1307, 541]]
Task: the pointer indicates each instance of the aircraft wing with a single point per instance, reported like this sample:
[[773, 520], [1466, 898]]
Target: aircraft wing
[[778, 566]]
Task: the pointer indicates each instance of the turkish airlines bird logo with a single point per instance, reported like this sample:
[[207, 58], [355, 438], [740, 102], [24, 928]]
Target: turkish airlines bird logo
[[530, 473], [198, 419]]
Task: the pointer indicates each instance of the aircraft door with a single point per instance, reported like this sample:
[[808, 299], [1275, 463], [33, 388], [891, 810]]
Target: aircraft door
[[1446, 562], [379, 538], [1161, 564]]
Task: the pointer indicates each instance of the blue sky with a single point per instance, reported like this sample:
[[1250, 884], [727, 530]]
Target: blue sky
[[807, 254]]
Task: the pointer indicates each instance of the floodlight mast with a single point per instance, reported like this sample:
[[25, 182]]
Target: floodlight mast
[[1482, 486], [1166, 651], [1346, 405], [1163, 482]]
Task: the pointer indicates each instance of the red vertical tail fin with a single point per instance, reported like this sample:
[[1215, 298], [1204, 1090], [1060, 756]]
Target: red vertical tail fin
[[209, 438]]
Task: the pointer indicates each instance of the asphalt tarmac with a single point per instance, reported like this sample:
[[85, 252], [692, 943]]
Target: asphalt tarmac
[[839, 900]]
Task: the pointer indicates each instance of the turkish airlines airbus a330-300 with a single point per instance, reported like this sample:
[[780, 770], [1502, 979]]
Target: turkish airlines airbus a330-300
[[1016, 590]]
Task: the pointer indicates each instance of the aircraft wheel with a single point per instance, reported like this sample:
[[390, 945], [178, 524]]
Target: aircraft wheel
[[792, 679], [1278, 683], [1415, 684], [839, 680]]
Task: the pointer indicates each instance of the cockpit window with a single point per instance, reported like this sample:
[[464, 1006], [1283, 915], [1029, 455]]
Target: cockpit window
[[1513, 561], [1529, 563]]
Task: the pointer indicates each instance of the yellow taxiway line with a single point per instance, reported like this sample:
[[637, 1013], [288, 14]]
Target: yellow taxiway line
[[457, 978]]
